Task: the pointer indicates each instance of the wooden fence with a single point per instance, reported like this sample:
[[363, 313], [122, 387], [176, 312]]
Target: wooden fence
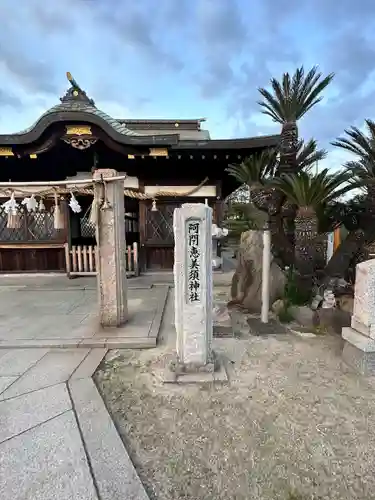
[[81, 260]]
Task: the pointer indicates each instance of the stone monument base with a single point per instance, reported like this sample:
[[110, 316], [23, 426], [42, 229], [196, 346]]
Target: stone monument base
[[211, 372], [358, 351], [222, 321]]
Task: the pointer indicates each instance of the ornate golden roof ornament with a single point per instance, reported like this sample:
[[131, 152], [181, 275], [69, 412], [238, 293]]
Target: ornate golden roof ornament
[[76, 88], [75, 92], [6, 151], [78, 130], [158, 152]]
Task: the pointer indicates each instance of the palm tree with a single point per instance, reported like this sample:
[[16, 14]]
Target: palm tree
[[289, 101], [362, 169], [257, 171], [310, 193]]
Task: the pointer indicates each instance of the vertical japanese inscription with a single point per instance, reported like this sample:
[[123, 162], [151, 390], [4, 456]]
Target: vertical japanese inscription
[[193, 262]]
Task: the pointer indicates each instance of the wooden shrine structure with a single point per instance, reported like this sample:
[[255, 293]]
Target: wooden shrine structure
[[167, 163]]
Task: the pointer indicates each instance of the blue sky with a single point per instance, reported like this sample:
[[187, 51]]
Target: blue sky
[[188, 59]]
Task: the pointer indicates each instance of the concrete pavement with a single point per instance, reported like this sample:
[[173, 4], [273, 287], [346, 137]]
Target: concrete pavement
[[57, 439], [53, 316]]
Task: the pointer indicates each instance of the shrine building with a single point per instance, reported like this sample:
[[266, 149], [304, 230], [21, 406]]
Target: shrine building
[[166, 162]]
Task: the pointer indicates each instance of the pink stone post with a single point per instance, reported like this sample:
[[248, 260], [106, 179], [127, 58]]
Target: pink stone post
[[111, 260]]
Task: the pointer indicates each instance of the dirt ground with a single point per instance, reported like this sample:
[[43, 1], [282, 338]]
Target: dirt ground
[[294, 422]]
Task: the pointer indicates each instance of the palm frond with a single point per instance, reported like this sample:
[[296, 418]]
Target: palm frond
[[308, 154], [361, 171], [307, 190], [256, 170], [289, 100], [271, 106], [362, 145]]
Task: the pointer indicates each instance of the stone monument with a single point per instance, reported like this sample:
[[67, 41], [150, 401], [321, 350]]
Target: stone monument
[[194, 295], [359, 348], [111, 245]]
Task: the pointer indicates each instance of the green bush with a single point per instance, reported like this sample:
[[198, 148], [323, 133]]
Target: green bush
[[293, 293]]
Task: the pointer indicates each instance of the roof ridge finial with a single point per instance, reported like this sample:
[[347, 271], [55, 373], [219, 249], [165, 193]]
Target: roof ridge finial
[[75, 92], [72, 82]]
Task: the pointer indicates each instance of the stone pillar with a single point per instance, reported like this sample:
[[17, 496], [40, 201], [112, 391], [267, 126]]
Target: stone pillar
[[193, 286], [359, 347], [111, 261]]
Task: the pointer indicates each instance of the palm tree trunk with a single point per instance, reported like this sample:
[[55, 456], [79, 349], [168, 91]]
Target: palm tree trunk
[[288, 165], [306, 232], [370, 198], [282, 250], [288, 150], [271, 203]]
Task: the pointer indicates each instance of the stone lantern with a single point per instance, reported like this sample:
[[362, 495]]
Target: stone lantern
[[217, 235]]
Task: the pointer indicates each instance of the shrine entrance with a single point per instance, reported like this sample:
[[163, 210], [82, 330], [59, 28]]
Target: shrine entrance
[[158, 242]]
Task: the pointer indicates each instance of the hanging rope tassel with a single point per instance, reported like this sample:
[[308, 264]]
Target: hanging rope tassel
[[94, 212], [106, 205], [58, 219], [14, 219], [41, 206], [154, 208]]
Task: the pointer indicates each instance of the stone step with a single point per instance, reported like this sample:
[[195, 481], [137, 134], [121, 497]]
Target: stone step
[[63, 343], [113, 470]]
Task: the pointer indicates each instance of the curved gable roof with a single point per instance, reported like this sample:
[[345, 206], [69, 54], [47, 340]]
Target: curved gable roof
[[76, 106], [82, 107]]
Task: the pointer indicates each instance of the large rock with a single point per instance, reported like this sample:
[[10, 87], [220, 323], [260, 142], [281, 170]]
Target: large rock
[[332, 320], [246, 287], [303, 315], [278, 306]]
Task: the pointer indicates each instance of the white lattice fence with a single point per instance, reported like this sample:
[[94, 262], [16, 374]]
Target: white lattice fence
[[81, 260]]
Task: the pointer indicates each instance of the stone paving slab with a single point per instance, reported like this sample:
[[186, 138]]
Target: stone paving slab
[[122, 332], [4, 351], [17, 362], [69, 319], [47, 462], [40, 343], [42, 455], [113, 470], [157, 319], [23, 412], [119, 343], [88, 366], [88, 343], [6, 382], [62, 283], [55, 367]]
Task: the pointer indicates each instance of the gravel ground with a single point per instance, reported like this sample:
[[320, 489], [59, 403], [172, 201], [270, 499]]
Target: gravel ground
[[294, 422]]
